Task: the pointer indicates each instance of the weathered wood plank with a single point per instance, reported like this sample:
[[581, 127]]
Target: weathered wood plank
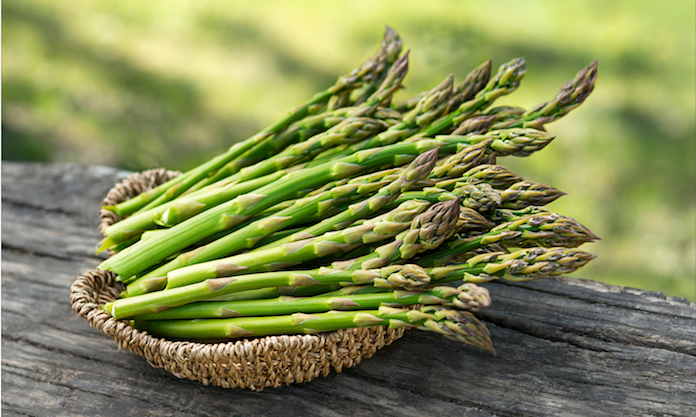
[[565, 347]]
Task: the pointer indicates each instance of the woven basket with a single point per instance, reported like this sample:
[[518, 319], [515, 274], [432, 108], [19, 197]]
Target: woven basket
[[247, 363]]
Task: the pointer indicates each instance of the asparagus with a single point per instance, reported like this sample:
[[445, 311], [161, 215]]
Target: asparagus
[[522, 265], [250, 235], [409, 277], [419, 168], [427, 231], [504, 82], [439, 101], [467, 297], [525, 193], [457, 325], [475, 126], [497, 176], [296, 132], [542, 229], [371, 69], [572, 94], [146, 254], [461, 326], [464, 91], [177, 210], [429, 108], [290, 254], [274, 292], [341, 134]]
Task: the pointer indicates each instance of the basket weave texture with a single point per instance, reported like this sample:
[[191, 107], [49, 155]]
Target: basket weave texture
[[254, 364]]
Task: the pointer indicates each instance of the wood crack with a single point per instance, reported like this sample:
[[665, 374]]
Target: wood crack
[[606, 303], [61, 257], [573, 337], [26, 205], [383, 382]]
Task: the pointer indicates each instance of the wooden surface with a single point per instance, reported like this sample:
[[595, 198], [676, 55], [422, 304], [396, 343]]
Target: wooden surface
[[565, 347]]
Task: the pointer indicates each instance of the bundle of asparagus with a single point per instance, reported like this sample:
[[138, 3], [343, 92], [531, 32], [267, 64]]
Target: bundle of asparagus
[[353, 211]]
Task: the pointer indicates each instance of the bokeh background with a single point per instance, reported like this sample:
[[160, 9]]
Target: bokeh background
[[136, 85]]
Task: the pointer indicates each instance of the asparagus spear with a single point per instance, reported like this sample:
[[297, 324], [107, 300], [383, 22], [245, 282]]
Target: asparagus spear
[[290, 254], [429, 108], [419, 169], [497, 176], [522, 265], [542, 229], [525, 264], [296, 132], [307, 149], [464, 91], [467, 297], [368, 71], [409, 277], [145, 254], [250, 235], [525, 193], [461, 326], [572, 94], [457, 325], [177, 210], [427, 231], [504, 82]]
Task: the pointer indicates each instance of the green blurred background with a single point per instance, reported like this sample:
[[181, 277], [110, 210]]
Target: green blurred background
[[137, 85]]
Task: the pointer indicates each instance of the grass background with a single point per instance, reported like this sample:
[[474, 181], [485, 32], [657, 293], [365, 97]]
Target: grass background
[[142, 84]]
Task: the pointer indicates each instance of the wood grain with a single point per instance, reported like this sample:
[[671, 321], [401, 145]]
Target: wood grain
[[566, 347]]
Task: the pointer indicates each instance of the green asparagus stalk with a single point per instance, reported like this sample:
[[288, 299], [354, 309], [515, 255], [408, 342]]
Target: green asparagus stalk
[[409, 277], [462, 92], [248, 236], [175, 211], [146, 254], [461, 326], [478, 125], [340, 135], [544, 229], [522, 265], [572, 94], [297, 132], [454, 324], [417, 170], [429, 108], [497, 176], [467, 297], [294, 253], [274, 292], [528, 193], [504, 82], [427, 232]]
